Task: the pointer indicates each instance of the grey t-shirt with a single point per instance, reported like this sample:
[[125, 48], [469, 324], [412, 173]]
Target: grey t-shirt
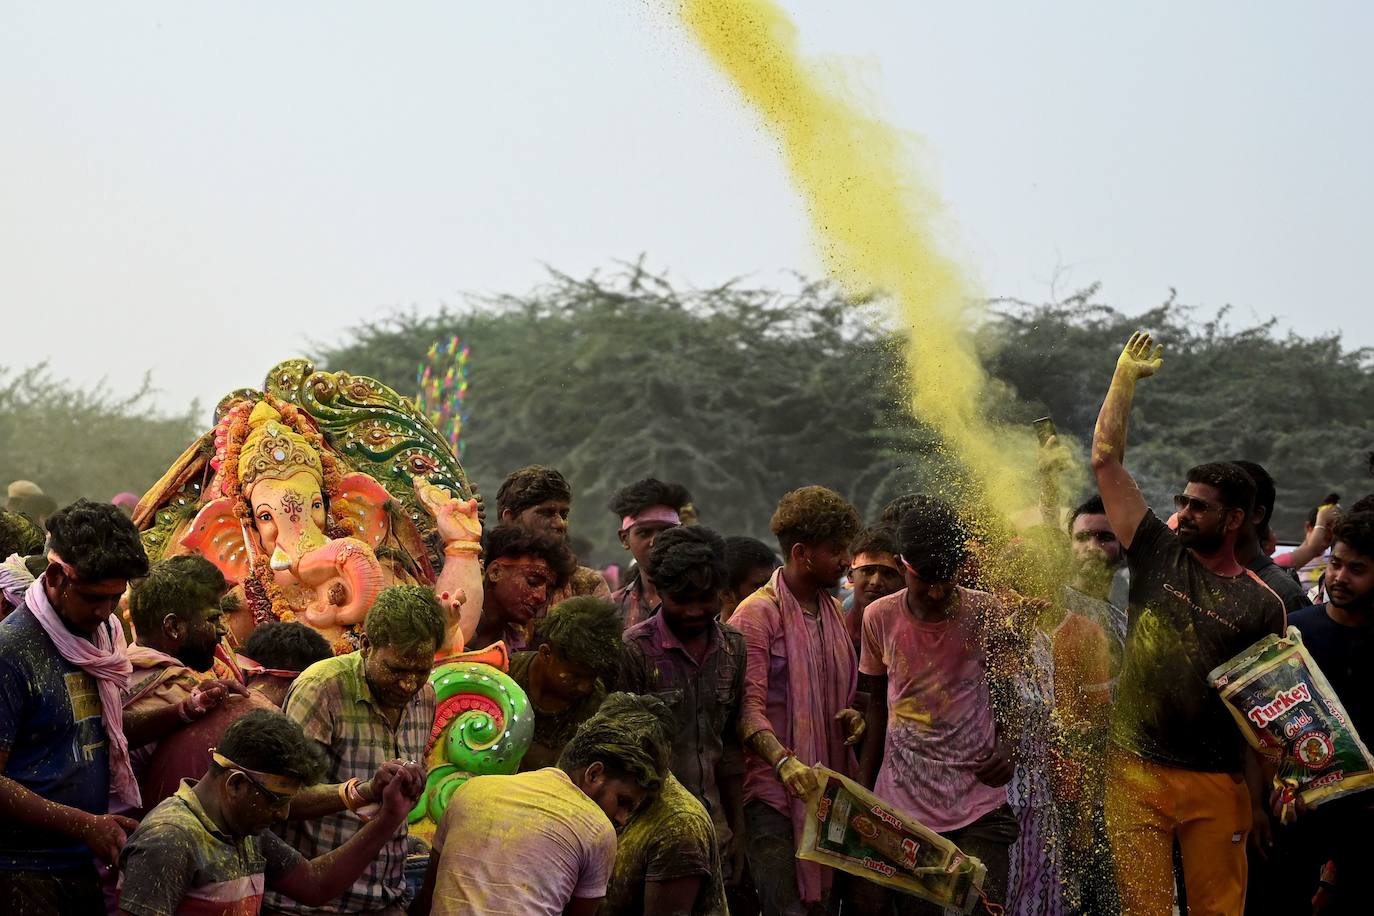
[[179, 861]]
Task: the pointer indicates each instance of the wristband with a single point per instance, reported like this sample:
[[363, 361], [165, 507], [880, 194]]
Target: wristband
[[777, 767], [184, 711], [457, 548]]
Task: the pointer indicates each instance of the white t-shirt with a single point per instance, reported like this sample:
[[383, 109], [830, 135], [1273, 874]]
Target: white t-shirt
[[523, 845]]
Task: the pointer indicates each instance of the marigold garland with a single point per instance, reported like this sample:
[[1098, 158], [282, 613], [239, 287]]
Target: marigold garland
[[265, 597], [277, 605], [348, 641]]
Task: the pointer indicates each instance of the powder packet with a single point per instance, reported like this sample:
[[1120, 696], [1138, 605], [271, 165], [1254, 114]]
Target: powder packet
[[1289, 713], [851, 829]]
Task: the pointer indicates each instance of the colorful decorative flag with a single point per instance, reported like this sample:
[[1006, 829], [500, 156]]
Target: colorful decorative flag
[[443, 380]]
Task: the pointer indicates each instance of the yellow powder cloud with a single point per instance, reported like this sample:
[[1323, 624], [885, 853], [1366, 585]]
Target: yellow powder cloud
[[874, 221]]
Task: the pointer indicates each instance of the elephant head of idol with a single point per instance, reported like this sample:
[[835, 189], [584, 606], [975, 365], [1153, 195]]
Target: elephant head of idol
[[313, 493], [286, 526]]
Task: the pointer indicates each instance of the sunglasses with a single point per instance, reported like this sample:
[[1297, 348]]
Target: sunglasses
[[274, 799], [1184, 501]]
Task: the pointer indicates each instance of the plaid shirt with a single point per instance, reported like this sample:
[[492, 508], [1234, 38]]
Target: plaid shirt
[[630, 600], [333, 704]]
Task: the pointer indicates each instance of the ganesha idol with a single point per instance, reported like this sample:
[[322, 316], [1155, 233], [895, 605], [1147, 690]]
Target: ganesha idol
[[313, 495]]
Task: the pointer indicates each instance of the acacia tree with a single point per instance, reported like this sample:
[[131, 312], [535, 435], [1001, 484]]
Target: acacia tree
[[1298, 406], [740, 394], [75, 441], [744, 393]]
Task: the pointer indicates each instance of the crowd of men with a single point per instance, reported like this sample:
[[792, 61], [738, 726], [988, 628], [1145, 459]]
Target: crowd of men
[[1039, 697]]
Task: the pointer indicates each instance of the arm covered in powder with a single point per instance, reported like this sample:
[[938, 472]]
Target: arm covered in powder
[[1139, 359], [105, 834]]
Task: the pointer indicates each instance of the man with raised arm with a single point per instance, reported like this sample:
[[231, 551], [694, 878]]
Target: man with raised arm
[[1178, 761]]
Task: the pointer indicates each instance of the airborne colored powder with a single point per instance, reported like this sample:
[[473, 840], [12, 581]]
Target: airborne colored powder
[[874, 224]]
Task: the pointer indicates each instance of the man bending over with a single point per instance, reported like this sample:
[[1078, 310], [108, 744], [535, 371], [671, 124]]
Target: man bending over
[[543, 843], [208, 849]]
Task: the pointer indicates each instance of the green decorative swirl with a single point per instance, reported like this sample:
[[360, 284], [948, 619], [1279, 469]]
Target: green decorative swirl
[[475, 742]]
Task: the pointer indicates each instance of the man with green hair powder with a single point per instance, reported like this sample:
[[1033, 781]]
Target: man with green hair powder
[[577, 652], [366, 709]]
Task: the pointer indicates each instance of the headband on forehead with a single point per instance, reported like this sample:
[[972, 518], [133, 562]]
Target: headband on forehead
[[62, 564], [272, 782], [876, 559], [652, 514]]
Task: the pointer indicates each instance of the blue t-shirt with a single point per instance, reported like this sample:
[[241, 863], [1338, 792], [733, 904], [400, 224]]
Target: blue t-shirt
[[52, 725]]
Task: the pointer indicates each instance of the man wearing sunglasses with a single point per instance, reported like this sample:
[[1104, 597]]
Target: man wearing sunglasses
[[1178, 761], [209, 849]]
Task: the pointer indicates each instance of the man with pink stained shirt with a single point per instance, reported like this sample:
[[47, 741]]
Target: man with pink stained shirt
[[935, 749], [799, 683]]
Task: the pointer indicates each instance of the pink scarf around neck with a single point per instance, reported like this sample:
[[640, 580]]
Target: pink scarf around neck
[[104, 659], [813, 701]]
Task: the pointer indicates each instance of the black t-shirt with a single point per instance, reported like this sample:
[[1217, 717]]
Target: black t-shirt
[[1344, 654], [1281, 582], [1183, 621]]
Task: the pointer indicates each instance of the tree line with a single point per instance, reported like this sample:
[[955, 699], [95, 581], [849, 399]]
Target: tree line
[[742, 393]]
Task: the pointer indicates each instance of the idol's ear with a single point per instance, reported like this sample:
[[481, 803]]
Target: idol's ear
[[217, 535], [363, 501]]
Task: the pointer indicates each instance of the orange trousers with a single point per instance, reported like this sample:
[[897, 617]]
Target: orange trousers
[[1148, 806]]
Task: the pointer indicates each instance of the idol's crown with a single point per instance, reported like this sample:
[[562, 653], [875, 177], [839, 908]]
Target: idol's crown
[[274, 451]]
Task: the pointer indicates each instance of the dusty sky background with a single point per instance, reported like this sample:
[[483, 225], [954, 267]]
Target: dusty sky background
[[200, 190]]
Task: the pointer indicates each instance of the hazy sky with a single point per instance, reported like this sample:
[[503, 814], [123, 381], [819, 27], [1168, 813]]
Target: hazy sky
[[201, 189]]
